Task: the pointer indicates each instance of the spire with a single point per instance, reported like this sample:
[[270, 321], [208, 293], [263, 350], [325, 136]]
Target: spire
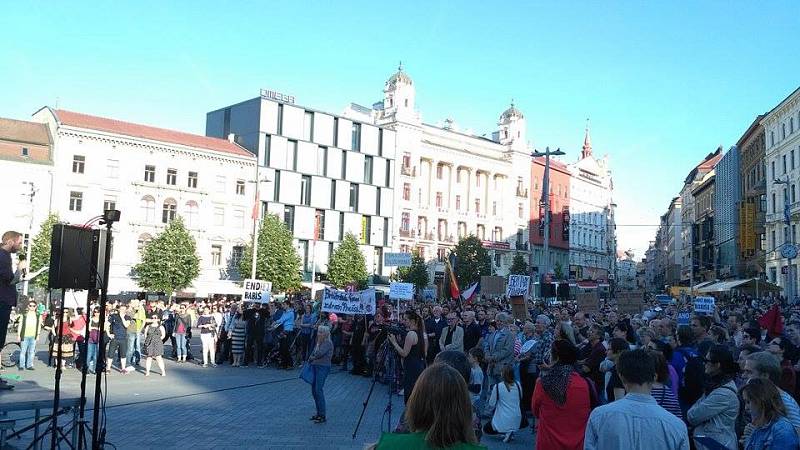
[[400, 67], [587, 143]]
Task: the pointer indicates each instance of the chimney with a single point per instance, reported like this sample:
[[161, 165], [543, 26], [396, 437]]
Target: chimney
[[231, 138]]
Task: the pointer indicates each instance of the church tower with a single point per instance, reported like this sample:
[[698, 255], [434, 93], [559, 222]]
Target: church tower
[[512, 130], [398, 96], [587, 143]]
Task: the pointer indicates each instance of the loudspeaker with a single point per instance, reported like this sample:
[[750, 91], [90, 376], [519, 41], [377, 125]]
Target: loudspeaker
[[563, 290], [77, 256]]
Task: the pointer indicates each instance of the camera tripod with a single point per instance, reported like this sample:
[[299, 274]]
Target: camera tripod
[[389, 352]]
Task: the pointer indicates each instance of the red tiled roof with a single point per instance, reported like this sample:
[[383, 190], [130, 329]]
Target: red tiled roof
[[147, 132]]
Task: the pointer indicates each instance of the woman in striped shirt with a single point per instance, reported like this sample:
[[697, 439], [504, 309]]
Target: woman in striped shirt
[[662, 391]]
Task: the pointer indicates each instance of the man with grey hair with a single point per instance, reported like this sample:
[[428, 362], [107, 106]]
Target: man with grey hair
[[433, 328], [767, 366], [472, 331], [501, 348]]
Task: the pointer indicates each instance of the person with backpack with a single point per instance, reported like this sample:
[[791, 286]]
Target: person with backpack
[[562, 401], [690, 369], [714, 415], [505, 397]]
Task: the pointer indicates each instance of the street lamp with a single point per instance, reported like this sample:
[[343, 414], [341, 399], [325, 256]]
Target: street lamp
[[788, 249], [256, 208], [545, 201]]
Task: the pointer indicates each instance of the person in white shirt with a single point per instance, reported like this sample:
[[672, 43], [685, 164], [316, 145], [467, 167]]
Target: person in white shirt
[[505, 397]]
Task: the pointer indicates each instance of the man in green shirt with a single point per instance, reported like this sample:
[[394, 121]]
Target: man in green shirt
[[134, 354], [27, 334]]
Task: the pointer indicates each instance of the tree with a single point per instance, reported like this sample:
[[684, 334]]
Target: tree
[[169, 262], [278, 260], [39, 255], [346, 264], [472, 261], [558, 271], [519, 266], [416, 274]]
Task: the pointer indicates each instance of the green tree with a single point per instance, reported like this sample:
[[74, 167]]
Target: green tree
[[519, 266], [558, 271], [347, 264], [277, 259], [40, 250], [169, 262], [417, 273], [472, 261]]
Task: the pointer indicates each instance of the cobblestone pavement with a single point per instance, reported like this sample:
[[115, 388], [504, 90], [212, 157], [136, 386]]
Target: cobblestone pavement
[[229, 407]]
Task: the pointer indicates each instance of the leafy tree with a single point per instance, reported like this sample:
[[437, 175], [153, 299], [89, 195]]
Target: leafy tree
[[277, 259], [519, 266], [417, 273], [347, 264], [472, 261], [40, 250], [169, 262], [558, 271]]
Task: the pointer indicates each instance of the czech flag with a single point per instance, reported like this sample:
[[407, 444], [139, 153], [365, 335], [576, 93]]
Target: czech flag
[[471, 292]]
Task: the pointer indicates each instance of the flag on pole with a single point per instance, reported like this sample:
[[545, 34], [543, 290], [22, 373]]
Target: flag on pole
[[471, 292], [257, 207], [454, 292]]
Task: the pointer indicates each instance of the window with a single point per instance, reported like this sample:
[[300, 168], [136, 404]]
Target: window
[[388, 175], [462, 229], [458, 203], [216, 255], [333, 194], [406, 160], [150, 174], [291, 157], [368, 169], [774, 203], [305, 190], [494, 208], [192, 181], [322, 161], [406, 191], [219, 216], [277, 186], [438, 199], [319, 224], [771, 138], [142, 242], [477, 206], [280, 118], [385, 231], [25, 152], [191, 213], [791, 165], [458, 175], [773, 169], [378, 202], [783, 131], [112, 168], [477, 179], [774, 241], [356, 134], [220, 181], [439, 171], [405, 221], [78, 163], [308, 126], [784, 164], [148, 205], [341, 226], [520, 210], [267, 149], [335, 131], [172, 176], [238, 218], [109, 203], [239, 187], [75, 201], [344, 164], [288, 217], [237, 252], [497, 234], [791, 125], [481, 232], [794, 197], [353, 197], [168, 210]]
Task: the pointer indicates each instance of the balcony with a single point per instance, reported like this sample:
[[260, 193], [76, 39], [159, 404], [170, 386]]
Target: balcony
[[408, 171], [406, 233], [426, 236]]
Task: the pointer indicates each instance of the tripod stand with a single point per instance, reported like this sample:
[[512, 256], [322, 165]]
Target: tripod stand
[[388, 352]]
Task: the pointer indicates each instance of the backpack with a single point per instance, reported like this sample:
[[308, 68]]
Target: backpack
[[691, 386]]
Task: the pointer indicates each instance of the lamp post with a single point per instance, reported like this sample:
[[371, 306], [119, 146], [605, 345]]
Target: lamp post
[[545, 202], [788, 249]]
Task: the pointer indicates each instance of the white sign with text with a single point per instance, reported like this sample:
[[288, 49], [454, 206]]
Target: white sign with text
[[518, 285], [343, 302], [257, 291], [401, 291]]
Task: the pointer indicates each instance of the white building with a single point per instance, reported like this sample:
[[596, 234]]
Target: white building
[[592, 229], [151, 175], [626, 272], [782, 131], [326, 175], [451, 183]]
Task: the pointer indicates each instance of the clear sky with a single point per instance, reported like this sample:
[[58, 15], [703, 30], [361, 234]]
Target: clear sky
[[664, 83]]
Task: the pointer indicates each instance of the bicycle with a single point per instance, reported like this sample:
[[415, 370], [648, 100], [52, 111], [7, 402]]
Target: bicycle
[[9, 355]]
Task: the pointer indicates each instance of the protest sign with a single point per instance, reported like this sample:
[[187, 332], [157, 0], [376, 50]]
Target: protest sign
[[257, 291], [704, 305], [629, 302], [517, 285], [683, 318], [429, 294], [401, 291], [493, 285], [342, 302], [397, 259], [588, 302]]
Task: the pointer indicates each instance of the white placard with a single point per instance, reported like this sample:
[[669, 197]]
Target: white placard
[[343, 302], [401, 291], [518, 285], [397, 259], [704, 305], [257, 291]]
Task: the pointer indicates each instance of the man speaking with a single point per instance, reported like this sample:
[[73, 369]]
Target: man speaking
[[12, 241]]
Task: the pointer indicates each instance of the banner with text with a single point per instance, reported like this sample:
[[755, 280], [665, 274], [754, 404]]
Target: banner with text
[[257, 291], [397, 259], [704, 305], [342, 302], [518, 285], [630, 302], [401, 291], [588, 302]]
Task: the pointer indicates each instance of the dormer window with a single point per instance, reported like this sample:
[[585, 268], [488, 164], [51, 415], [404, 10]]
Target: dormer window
[[406, 103]]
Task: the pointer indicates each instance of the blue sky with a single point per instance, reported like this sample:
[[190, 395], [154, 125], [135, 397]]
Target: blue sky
[[664, 83]]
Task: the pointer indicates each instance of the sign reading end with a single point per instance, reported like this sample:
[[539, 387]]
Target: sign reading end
[[257, 291]]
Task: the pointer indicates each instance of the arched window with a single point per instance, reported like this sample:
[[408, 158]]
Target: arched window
[[191, 213], [148, 205], [142, 241], [168, 211]]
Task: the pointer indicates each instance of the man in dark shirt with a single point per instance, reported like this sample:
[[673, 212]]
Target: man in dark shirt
[[434, 327], [472, 331], [118, 325], [12, 242]]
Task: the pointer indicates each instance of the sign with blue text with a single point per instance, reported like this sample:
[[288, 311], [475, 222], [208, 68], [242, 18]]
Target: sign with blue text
[[704, 305], [517, 285], [397, 259], [343, 302], [429, 294], [683, 318], [401, 291]]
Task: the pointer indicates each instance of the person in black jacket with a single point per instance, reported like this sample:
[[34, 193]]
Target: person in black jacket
[[12, 242]]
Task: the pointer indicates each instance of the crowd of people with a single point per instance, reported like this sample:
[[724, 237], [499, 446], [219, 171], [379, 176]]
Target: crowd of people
[[594, 379]]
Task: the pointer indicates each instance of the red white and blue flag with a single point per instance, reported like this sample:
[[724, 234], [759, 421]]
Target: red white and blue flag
[[471, 292]]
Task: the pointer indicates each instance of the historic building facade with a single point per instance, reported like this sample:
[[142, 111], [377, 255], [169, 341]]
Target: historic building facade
[[153, 175], [559, 216], [753, 205]]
